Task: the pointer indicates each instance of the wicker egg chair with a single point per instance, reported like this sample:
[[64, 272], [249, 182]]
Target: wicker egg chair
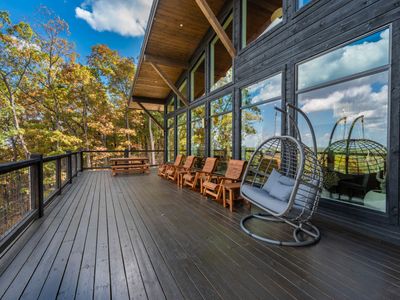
[[284, 179]]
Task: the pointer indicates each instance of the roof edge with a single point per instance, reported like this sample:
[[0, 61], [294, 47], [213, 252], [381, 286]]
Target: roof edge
[[144, 45]]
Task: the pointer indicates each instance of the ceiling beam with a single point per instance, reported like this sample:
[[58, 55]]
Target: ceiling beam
[[170, 84], [148, 100], [219, 30], [150, 115], [165, 61]]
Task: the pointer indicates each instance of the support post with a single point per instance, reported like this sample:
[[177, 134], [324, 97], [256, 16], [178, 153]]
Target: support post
[[150, 115], [69, 166], [81, 160], [170, 83], [37, 183], [219, 30]]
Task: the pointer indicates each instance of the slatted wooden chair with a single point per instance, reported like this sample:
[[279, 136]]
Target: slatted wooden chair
[[213, 185], [162, 169], [193, 178], [173, 173]]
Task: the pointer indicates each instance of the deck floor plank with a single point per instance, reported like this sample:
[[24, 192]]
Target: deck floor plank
[[141, 237]]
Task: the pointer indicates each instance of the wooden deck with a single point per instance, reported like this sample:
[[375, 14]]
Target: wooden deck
[[141, 237]]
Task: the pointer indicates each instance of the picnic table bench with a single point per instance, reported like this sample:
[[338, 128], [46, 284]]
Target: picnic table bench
[[129, 165]]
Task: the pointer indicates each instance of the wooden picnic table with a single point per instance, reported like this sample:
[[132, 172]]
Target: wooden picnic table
[[129, 164]]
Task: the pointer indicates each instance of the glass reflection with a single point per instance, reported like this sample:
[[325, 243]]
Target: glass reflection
[[350, 121], [198, 133], [362, 55], [221, 61], [221, 131]]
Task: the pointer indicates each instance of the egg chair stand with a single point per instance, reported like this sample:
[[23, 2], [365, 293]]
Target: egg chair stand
[[284, 179]]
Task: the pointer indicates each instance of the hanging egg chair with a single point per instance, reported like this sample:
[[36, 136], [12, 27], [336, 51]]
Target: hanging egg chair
[[354, 156], [284, 179]]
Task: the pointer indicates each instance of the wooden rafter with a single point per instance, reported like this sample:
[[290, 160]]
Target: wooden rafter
[[148, 100], [150, 115], [219, 30], [170, 84], [165, 61]]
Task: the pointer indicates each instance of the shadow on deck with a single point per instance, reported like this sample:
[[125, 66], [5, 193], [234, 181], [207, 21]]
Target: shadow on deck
[[142, 237]]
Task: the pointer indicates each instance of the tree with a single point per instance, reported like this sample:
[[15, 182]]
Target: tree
[[18, 51]]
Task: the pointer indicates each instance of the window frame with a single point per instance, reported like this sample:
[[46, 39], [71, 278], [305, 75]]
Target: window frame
[[228, 20], [347, 209], [201, 59]]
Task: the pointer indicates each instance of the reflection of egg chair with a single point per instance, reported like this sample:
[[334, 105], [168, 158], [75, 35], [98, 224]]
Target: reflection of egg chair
[[348, 163]]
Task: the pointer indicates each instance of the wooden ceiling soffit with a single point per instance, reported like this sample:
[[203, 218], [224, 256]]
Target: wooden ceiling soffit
[[164, 61], [150, 115], [148, 100], [169, 83], [219, 30]]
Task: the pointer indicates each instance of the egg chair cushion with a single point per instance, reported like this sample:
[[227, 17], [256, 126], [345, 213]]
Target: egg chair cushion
[[281, 191], [263, 199], [273, 180]]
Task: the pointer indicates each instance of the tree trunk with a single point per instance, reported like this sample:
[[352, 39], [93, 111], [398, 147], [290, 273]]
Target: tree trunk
[[17, 127], [128, 136], [153, 154]]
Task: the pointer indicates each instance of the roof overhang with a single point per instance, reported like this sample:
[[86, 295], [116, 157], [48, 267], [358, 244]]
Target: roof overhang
[[174, 32]]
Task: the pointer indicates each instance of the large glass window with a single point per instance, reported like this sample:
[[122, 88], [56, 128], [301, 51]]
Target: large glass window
[[198, 132], [221, 131], [182, 133], [260, 120], [171, 105], [183, 90], [259, 17], [301, 3], [171, 140], [221, 61], [346, 98], [198, 79]]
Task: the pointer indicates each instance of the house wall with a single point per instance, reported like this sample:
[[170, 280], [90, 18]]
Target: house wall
[[317, 27]]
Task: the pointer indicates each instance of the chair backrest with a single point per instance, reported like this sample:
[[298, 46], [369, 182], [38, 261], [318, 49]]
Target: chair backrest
[[189, 162], [235, 169], [178, 160], [209, 165]]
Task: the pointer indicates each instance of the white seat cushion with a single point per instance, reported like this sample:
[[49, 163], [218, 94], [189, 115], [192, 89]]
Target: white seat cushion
[[262, 198]]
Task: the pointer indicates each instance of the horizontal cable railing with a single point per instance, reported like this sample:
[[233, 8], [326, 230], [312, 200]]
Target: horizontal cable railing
[[27, 186]]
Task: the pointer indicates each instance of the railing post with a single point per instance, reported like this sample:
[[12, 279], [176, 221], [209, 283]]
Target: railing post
[[37, 183], [69, 166], [81, 160], [126, 153], [58, 176]]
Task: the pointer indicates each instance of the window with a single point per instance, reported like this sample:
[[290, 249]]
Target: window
[[301, 3], [183, 90], [346, 97], [221, 61], [198, 79], [260, 120], [198, 133], [182, 134], [171, 105], [259, 17], [221, 131], [171, 140]]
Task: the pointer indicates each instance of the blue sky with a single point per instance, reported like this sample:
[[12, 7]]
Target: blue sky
[[92, 21]]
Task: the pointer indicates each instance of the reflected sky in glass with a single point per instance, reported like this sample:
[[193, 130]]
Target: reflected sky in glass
[[362, 55], [367, 96]]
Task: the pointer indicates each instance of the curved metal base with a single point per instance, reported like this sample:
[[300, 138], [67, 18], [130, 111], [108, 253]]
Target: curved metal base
[[310, 231]]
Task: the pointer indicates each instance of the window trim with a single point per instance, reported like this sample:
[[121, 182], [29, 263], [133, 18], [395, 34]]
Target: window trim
[[347, 209], [227, 22], [201, 59]]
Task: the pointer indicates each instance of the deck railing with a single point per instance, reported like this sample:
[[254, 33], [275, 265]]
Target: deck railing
[[28, 186]]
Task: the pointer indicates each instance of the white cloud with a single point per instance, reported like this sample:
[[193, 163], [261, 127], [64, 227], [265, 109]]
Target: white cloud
[[353, 58], [125, 17], [366, 97]]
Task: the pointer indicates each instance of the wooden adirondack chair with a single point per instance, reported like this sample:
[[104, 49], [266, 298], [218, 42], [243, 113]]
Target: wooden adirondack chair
[[173, 173], [162, 169], [213, 185], [192, 178]]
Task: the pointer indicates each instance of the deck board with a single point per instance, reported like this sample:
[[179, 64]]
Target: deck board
[[140, 237]]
